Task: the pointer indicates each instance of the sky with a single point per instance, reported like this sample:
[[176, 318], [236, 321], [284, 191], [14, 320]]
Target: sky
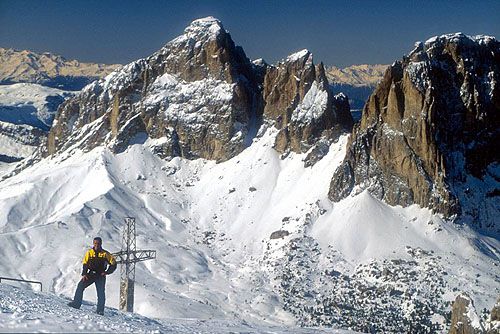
[[338, 33]]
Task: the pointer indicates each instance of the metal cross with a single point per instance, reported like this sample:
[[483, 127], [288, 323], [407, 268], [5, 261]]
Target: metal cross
[[127, 258]]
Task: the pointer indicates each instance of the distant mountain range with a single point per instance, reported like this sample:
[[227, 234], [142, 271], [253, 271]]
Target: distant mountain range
[[48, 69], [32, 86], [357, 82], [356, 75]]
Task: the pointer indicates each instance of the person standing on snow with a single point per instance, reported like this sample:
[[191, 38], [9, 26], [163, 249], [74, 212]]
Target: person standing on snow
[[94, 270]]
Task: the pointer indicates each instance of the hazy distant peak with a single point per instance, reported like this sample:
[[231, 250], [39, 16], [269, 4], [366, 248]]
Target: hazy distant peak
[[356, 75], [27, 66]]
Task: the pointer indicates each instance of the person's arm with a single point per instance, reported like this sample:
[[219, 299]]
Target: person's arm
[[112, 263], [85, 266]]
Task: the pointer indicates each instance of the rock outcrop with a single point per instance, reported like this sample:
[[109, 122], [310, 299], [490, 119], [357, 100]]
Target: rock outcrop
[[428, 133], [493, 324], [200, 96], [298, 100], [464, 317]]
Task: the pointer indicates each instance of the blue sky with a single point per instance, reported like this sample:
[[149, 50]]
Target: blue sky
[[337, 32]]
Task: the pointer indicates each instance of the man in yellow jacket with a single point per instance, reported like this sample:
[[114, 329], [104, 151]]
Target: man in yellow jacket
[[94, 270]]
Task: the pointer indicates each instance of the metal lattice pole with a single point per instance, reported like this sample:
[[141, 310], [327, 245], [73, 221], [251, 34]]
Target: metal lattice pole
[[127, 270], [128, 257]]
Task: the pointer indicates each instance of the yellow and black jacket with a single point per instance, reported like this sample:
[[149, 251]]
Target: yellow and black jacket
[[95, 263]]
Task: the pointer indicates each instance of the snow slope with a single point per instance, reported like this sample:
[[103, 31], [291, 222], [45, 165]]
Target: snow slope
[[251, 239], [26, 113], [22, 310], [31, 104]]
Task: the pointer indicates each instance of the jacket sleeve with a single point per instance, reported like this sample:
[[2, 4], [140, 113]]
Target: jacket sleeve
[[85, 262], [112, 263]]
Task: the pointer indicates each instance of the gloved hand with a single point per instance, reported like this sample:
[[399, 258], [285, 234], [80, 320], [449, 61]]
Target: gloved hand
[[85, 278]]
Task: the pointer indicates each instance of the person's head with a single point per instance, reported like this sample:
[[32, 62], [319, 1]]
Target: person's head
[[97, 243]]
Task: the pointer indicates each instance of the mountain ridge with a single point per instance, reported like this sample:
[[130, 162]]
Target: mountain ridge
[[356, 75], [23, 66]]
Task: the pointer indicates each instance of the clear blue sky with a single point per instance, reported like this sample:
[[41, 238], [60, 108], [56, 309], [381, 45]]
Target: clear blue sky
[[337, 32]]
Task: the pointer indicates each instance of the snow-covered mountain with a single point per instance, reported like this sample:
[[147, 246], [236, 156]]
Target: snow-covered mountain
[[356, 75], [26, 115], [48, 69], [226, 164], [32, 86]]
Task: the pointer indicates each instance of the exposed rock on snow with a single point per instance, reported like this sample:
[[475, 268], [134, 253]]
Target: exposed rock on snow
[[299, 103], [493, 323], [464, 317]]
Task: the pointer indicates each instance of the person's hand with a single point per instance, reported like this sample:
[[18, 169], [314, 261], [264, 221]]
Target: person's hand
[[85, 278], [103, 274]]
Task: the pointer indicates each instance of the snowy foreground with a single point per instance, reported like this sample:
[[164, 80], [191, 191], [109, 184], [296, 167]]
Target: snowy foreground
[[26, 311], [253, 240]]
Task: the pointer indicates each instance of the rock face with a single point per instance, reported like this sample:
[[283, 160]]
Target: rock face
[[196, 92], [298, 99], [428, 132], [494, 321], [48, 69], [464, 318], [200, 96]]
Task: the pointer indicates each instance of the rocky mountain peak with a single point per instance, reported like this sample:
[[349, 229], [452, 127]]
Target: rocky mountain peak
[[204, 98], [197, 92], [304, 57], [205, 49], [199, 32], [204, 29], [428, 132]]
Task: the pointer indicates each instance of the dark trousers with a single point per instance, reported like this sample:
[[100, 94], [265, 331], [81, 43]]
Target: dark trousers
[[100, 283]]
